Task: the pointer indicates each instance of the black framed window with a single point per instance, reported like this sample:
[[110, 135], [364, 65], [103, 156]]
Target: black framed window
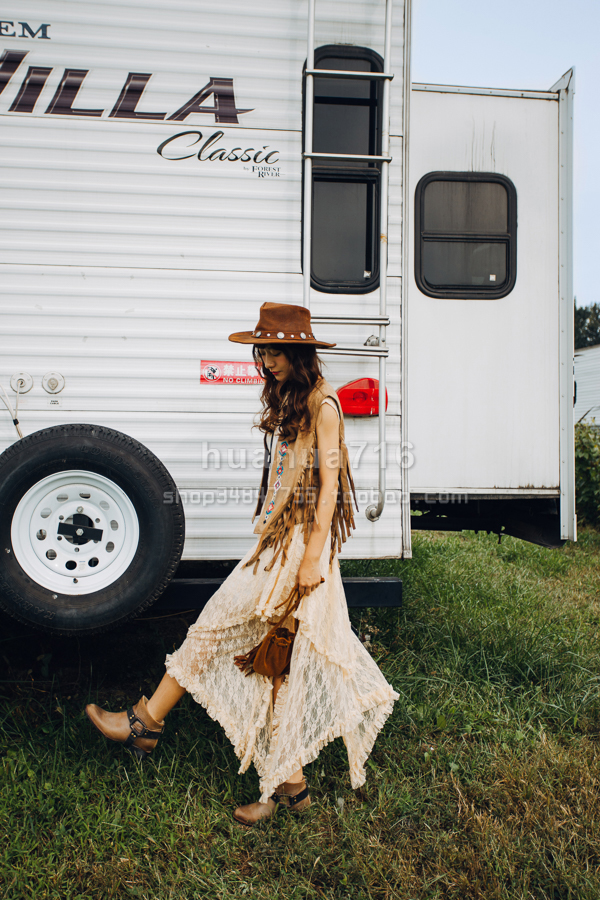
[[465, 235], [347, 119]]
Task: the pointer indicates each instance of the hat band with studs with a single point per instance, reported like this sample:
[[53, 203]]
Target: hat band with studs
[[281, 323], [283, 335]]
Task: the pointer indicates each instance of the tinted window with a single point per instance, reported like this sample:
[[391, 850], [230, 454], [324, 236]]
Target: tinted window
[[346, 192], [461, 206], [342, 232], [341, 129], [465, 241], [345, 111], [336, 87], [461, 263]]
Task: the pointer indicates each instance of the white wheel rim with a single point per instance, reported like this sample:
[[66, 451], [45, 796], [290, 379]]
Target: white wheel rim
[[56, 561]]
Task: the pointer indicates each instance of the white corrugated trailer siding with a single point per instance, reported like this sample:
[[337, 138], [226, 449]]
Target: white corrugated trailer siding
[[121, 270], [587, 377], [484, 374]]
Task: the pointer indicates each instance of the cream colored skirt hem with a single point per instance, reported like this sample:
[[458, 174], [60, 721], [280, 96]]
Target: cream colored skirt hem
[[334, 689]]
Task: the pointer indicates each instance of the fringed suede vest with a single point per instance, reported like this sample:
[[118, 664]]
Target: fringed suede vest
[[288, 495]]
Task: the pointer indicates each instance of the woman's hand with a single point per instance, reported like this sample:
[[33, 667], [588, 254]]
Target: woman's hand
[[309, 575]]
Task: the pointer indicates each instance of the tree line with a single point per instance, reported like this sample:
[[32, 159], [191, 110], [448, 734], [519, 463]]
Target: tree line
[[587, 326]]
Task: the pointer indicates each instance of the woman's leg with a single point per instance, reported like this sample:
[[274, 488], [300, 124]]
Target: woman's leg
[[298, 774], [146, 721], [252, 813], [291, 789], [164, 698]]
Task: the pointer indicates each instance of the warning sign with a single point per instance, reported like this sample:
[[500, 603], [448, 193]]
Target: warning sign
[[216, 371]]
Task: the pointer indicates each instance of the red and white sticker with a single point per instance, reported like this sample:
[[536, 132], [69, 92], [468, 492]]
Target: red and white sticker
[[216, 371]]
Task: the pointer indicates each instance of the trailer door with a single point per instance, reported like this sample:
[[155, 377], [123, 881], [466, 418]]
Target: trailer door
[[489, 300]]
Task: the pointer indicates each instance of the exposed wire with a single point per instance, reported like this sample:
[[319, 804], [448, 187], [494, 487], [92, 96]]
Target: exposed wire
[[20, 383], [8, 405], [171, 615], [588, 411]]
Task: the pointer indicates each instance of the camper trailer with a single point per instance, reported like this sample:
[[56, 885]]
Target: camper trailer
[[167, 169], [587, 385]]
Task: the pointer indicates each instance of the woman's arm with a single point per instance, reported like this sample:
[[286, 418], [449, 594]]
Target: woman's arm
[[328, 445]]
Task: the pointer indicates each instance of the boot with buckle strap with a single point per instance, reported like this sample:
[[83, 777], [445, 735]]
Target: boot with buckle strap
[[134, 728], [293, 795]]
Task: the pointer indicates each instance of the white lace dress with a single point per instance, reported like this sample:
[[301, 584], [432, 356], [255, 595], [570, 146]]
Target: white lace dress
[[334, 689]]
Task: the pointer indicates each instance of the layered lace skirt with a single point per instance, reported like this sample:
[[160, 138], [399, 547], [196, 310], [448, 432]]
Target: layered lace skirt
[[334, 688]]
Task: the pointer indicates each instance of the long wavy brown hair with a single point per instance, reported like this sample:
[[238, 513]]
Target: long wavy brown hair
[[286, 405]]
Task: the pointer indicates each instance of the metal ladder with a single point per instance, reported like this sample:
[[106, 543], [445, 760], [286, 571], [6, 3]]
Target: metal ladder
[[382, 320]]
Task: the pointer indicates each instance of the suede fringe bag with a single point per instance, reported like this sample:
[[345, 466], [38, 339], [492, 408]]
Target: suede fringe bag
[[272, 657]]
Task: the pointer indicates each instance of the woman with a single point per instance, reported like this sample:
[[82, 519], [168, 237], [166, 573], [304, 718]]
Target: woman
[[332, 687]]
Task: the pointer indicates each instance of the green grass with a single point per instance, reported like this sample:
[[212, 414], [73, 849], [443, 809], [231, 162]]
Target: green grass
[[484, 784]]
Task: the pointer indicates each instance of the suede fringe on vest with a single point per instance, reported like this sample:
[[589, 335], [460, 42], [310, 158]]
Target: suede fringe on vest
[[300, 506]]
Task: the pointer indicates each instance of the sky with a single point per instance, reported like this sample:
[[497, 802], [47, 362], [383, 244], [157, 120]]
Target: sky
[[527, 44]]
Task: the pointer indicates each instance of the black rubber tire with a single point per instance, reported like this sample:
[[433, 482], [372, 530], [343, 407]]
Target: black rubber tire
[[145, 480]]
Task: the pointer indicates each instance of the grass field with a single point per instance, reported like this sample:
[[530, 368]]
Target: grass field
[[484, 784]]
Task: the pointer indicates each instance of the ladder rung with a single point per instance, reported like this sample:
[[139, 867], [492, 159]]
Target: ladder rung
[[373, 512], [345, 73], [350, 350], [351, 320], [354, 156]]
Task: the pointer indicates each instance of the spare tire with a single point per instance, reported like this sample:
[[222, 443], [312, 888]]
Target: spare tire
[[91, 532]]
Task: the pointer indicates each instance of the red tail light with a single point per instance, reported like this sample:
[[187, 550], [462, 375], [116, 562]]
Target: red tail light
[[361, 398]]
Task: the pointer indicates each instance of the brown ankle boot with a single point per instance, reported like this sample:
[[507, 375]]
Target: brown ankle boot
[[135, 728], [294, 795], [252, 813]]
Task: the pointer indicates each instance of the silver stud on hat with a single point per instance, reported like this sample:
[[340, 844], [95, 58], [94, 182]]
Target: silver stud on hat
[[280, 334], [258, 334], [302, 335]]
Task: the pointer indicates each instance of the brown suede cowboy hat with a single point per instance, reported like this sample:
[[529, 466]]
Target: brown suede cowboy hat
[[280, 323]]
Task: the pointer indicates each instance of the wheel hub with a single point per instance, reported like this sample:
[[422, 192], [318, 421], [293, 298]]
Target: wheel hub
[[75, 532], [80, 530]]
